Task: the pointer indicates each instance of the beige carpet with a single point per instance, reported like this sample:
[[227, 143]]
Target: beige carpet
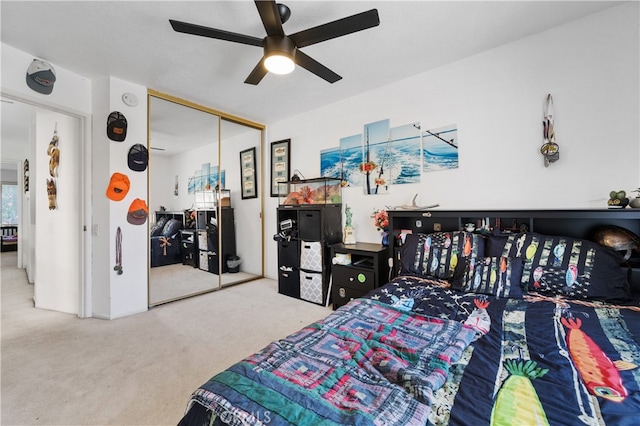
[[171, 282], [139, 370]]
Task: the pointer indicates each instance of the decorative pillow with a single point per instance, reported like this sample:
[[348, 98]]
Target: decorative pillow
[[494, 246], [171, 227], [438, 254], [495, 276], [156, 229], [575, 268]]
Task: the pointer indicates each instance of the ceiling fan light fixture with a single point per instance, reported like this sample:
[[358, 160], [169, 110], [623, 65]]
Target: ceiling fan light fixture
[[279, 54], [279, 64]]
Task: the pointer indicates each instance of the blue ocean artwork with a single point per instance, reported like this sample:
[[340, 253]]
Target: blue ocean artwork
[[213, 177], [376, 152], [404, 158], [440, 149], [201, 182], [351, 157], [331, 163]]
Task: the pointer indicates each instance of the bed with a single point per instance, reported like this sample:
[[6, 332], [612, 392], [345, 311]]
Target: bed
[[512, 326], [9, 238]]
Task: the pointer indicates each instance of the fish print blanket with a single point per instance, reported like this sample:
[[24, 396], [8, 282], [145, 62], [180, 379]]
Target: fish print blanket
[[367, 363], [542, 361]]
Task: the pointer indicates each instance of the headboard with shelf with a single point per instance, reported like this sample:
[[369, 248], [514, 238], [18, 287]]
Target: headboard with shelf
[[569, 223]]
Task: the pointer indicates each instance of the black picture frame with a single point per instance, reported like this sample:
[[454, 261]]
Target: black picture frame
[[280, 164], [248, 173]]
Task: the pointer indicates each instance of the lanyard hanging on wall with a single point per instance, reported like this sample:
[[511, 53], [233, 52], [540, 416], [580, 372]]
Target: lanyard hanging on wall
[[550, 149], [118, 266]]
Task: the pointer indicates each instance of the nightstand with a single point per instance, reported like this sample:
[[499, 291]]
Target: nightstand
[[369, 269]]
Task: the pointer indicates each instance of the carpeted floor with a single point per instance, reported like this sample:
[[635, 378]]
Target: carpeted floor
[[140, 370]]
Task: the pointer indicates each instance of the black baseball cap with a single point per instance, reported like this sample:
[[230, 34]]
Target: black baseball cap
[[117, 126], [138, 157]]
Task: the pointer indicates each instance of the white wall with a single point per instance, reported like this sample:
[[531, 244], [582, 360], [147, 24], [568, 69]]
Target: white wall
[[590, 66], [129, 291], [161, 180], [116, 295]]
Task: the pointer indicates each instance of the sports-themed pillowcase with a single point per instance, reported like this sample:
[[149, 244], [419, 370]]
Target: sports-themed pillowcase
[[495, 276], [438, 254], [575, 268]]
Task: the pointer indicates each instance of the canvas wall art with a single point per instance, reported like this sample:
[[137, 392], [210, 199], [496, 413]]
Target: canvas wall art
[[375, 162], [404, 155], [351, 157], [331, 163], [440, 149], [206, 179]]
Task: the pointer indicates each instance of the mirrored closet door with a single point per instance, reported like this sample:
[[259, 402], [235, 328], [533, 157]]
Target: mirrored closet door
[[205, 232]]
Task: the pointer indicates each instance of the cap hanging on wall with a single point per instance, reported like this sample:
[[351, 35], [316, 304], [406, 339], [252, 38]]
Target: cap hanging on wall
[[138, 212], [41, 76], [118, 186], [138, 157], [117, 126]]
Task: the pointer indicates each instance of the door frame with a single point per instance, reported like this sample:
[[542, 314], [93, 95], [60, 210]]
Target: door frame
[[84, 189]]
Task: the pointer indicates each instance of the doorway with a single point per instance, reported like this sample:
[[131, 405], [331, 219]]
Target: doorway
[[50, 222]]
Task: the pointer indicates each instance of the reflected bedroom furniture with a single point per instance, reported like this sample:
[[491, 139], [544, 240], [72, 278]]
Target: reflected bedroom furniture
[[9, 238], [207, 228], [165, 238]]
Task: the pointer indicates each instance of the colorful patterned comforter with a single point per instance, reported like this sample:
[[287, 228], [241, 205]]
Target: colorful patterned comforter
[[365, 364], [406, 355]]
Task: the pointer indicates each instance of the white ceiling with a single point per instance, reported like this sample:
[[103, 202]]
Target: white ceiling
[[134, 41]]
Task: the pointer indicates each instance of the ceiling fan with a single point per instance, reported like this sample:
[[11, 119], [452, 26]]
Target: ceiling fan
[[282, 51]]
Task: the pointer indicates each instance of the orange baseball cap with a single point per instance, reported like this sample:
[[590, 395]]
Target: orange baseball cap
[[118, 186], [138, 212]]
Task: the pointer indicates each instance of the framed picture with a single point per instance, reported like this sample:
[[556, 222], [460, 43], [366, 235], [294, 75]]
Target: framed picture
[[248, 170], [280, 164]]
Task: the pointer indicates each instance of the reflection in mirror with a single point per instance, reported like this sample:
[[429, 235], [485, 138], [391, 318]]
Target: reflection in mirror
[[239, 143], [183, 150], [203, 234]]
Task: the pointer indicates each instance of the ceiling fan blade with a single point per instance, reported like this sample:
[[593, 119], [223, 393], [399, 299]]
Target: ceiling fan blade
[[341, 27], [270, 16], [199, 30], [311, 65], [257, 74]]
